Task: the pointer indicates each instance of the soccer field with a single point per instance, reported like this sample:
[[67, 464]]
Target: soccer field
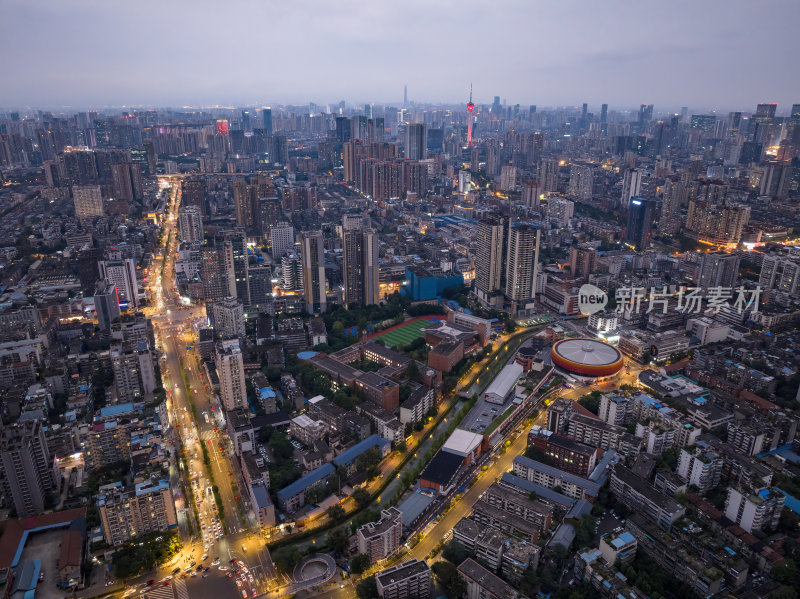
[[405, 334]]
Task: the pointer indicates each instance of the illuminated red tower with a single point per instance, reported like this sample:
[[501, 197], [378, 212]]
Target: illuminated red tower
[[470, 107]]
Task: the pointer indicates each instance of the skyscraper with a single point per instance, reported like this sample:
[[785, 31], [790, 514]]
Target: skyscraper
[[121, 272], [582, 261], [193, 193], [360, 267], [314, 281], [718, 269], [416, 141], [581, 179], [25, 467], [548, 174], [489, 257], [641, 215], [88, 200], [230, 368], [266, 117], [631, 186], [281, 237], [228, 318], [106, 304], [190, 224], [522, 264]]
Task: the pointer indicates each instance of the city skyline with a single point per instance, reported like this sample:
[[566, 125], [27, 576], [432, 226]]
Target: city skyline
[[549, 55]]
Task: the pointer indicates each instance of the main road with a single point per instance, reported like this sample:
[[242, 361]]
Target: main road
[[235, 535]]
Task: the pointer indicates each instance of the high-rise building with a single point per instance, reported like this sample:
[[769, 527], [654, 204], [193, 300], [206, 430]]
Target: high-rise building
[[126, 513], [26, 469], [754, 509], [259, 280], [416, 141], [360, 267], [266, 117], [314, 281], [193, 193], [560, 210], [522, 263], [134, 371], [268, 213], [582, 261], [227, 317], [216, 271], [718, 269], [230, 368], [776, 180], [781, 273], [281, 237], [243, 198], [508, 178], [106, 304], [631, 186], [717, 222], [190, 224], [548, 174], [489, 257], [641, 216], [581, 179], [121, 272], [88, 200], [292, 269], [380, 539], [530, 194]]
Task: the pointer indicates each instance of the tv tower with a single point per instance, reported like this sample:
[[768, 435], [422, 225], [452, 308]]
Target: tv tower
[[470, 107]]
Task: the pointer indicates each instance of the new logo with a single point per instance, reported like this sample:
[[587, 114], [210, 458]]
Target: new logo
[[591, 299]]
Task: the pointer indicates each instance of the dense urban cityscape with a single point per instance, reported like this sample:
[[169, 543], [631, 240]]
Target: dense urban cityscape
[[477, 348]]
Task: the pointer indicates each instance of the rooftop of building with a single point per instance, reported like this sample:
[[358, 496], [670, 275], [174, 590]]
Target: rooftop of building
[[473, 571]]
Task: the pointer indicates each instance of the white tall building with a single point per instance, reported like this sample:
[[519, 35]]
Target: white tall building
[[631, 186], [190, 224], [560, 211], [508, 178], [228, 317], [754, 509], [282, 238], [292, 273], [88, 200], [122, 273], [230, 368], [779, 272]]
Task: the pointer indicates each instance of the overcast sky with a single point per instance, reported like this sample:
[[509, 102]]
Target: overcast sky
[[720, 54]]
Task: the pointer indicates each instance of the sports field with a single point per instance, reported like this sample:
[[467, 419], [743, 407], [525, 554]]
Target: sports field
[[404, 333]]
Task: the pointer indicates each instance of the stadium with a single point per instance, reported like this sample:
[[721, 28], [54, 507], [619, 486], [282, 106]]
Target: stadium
[[586, 357]]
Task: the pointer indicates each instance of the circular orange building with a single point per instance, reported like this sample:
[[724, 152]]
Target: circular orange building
[[586, 357]]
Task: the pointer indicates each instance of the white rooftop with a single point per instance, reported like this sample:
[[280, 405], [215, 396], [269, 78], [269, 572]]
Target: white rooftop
[[462, 442]]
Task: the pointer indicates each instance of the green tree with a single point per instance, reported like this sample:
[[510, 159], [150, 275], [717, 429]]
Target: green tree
[[362, 497], [455, 552], [337, 541], [450, 579], [286, 558], [336, 512], [367, 588], [359, 563]]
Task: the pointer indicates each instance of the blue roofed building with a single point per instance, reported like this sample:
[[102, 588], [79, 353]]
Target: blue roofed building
[[348, 459], [620, 547], [423, 284], [292, 497]]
